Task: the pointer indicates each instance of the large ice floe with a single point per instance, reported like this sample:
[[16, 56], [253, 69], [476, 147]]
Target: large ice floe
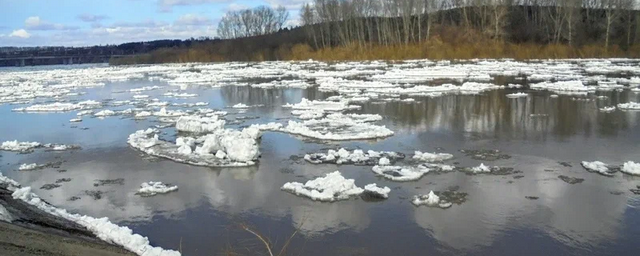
[[597, 167], [431, 157], [372, 191], [196, 124], [19, 146], [629, 106], [220, 147], [401, 173], [332, 187], [101, 227], [357, 157], [338, 126], [61, 106], [153, 188], [631, 168]]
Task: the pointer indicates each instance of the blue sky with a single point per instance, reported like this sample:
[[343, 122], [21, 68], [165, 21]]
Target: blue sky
[[88, 22]]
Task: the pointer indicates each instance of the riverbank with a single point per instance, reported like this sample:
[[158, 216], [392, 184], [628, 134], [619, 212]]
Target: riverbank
[[34, 232]]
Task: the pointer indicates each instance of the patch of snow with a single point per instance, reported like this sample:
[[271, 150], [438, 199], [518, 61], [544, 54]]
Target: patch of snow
[[332, 187]]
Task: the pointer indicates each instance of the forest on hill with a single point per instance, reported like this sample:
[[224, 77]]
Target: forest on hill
[[410, 29]]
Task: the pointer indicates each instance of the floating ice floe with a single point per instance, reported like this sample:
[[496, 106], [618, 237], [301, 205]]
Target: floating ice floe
[[339, 126], [480, 169], [145, 88], [30, 167], [101, 227], [153, 188], [373, 191], [19, 146], [607, 109], [631, 168], [240, 148], [308, 113], [60, 147], [75, 120], [61, 107], [180, 95], [105, 113], [332, 187], [196, 124], [357, 157], [431, 200], [517, 95], [564, 87], [140, 96], [401, 173], [629, 106], [143, 114], [597, 167], [317, 105], [431, 157]]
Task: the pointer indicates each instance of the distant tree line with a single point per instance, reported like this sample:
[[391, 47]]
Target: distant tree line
[[261, 20], [330, 23]]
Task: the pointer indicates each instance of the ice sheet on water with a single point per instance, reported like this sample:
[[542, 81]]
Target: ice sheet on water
[[197, 124], [607, 109], [19, 146], [332, 187], [629, 106], [60, 106], [339, 126], [517, 95], [101, 227], [318, 105], [357, 157], [401, 173], [153, 188], [597, 167], [308, 113], [631, 168], [431, 157], [564, 87], [240, 147]]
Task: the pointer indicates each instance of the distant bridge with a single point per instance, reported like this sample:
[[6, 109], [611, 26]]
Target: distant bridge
[[21, 61]]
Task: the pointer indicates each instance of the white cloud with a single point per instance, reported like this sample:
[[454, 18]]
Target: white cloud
[[35, 23], [236, 7], [165, 5], [193, 20], [21, 33], [289, 4], [91, 17]]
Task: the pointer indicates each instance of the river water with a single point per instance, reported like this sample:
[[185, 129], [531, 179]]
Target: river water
[[529, 212]]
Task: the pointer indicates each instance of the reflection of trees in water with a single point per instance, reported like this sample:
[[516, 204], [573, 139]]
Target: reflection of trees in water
[[494, 115]]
